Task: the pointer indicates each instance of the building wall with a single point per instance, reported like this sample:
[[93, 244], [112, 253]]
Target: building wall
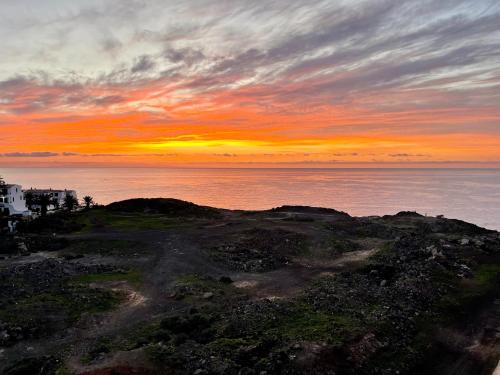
[[12, 200], [60, 195]]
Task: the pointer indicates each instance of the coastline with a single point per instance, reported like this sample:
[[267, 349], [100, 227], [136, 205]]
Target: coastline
[[469, 195]]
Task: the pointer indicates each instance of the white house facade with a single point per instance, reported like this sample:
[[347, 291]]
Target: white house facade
[[57, 197], [12, 200]]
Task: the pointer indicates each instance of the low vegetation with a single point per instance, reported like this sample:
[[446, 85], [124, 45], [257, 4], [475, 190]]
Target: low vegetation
[[40, 299], [133, 277], [180, 288]]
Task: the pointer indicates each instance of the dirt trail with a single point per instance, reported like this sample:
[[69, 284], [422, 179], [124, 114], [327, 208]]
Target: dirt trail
[[172, 254], [497, 370], [133, 309], [289, 281], [175, 254]]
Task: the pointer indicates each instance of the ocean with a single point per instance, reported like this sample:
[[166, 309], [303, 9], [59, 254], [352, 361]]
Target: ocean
[[472, 195]]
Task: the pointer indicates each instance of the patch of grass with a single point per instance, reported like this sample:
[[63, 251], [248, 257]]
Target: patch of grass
[[332, 246], [191, 278], [464, 300], [488, 274], [166, 356], [384, 251], [46, 311], [63, 371], [101, 218], [105, 247], [304, 323], [133, 277], [191, 287], [307, 324], [464, 297], [342, 245], [144, 222], [140, 335]]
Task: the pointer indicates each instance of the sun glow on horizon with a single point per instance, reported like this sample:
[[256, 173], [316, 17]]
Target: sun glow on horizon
[[339, 83]]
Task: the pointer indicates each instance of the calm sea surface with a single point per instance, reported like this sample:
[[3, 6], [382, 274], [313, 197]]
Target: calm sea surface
[[468, 194]]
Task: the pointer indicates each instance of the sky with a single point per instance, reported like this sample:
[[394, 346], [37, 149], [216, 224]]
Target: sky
[[249, 83]]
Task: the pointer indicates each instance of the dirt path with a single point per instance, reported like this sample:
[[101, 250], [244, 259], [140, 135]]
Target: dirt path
[[133, 309], [497, 370], [171, 253], [290, 281], [174, 255]]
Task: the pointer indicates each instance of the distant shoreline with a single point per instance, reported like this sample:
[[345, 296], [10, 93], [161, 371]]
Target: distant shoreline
[[467, 194]]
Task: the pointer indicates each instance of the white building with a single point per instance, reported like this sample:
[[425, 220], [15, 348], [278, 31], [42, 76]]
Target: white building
[[57, 197], [12, 200]]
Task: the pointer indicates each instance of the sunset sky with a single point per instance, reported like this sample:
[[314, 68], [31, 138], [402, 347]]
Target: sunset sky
[[243, 82]]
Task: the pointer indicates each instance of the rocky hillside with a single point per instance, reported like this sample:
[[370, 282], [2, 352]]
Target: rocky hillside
[[162, 286]]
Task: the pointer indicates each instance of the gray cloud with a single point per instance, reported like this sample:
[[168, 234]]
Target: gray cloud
[[35, 154], [404, 155], [188, 56], [117, 155], [265, 54], [346, 154], [108, 100], [111, 45], [143, 64], [226, 155]]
